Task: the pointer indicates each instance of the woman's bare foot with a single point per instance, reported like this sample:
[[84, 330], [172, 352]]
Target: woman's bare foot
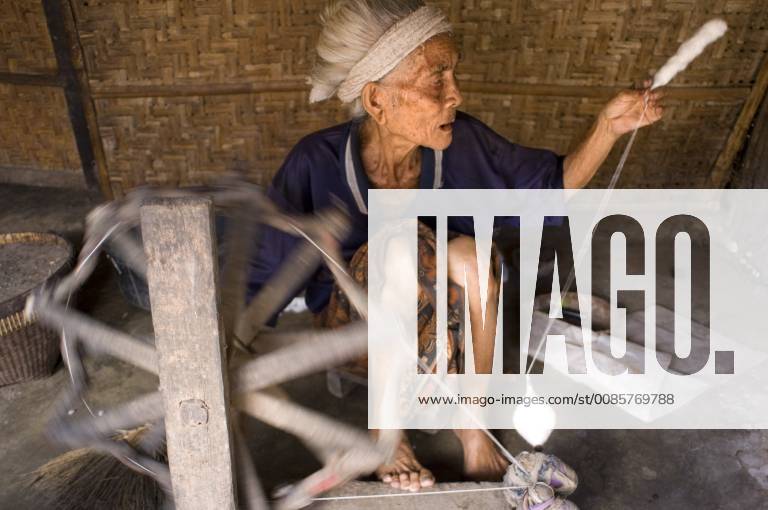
[[405, 472], [482, 460]]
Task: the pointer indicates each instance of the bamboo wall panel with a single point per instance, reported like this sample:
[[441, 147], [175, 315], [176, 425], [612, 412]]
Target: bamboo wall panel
[[535, 41], [35, 130], [36, 141], [184, 41], [611, 42], [164, 46], [191, 140], [25, 46]]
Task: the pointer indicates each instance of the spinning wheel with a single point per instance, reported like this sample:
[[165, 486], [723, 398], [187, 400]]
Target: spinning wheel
[[254, 367]]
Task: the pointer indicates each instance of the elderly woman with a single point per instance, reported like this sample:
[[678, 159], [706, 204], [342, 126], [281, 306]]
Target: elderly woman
[[393, 62]]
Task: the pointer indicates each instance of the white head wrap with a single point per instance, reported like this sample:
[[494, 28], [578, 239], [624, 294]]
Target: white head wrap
[[393, 46]]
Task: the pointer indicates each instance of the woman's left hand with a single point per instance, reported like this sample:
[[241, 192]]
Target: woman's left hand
[[622, 113]]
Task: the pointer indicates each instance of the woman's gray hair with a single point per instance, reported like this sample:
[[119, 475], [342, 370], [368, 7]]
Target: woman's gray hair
[[350, 28]]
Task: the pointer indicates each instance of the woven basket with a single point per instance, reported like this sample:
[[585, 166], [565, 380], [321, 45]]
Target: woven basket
[[28, 350]]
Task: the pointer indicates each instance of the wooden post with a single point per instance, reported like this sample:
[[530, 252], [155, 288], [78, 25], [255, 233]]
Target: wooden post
[[182, 275], [72, 76], [753, 172], [721, 171]]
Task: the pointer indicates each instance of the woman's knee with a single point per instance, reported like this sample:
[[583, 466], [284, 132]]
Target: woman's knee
[[462, 260]]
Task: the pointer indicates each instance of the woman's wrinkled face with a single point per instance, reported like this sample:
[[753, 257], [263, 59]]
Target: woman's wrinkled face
[[422, 94]]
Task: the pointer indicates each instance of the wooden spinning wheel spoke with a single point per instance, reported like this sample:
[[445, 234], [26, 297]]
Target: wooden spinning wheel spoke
[[347, 452], [300, 265], [96, 337]]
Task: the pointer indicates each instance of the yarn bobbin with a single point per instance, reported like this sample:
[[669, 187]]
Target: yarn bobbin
[[539, 481]]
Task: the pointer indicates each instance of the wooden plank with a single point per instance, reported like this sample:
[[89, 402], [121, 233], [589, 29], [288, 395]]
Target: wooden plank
[[515, 89], [40, 80], [82, 114], [182, 275], [543, 89], [38, 177], [721, 171], [203, 89]]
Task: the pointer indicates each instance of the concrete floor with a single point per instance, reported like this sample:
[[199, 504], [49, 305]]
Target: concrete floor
[[639, 470]]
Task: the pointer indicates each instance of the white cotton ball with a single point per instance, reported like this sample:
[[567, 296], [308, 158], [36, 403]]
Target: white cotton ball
[[534, 423], [709, 32]]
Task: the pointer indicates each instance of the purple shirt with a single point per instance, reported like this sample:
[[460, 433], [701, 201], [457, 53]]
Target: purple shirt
[[325, 167]]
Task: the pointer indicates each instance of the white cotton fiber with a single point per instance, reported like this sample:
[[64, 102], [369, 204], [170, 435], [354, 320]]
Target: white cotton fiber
[[709, 32]]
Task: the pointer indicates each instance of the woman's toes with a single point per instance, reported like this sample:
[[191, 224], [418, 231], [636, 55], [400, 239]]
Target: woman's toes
[[415, 483], [411, 479], [405, 472], [426, 479]]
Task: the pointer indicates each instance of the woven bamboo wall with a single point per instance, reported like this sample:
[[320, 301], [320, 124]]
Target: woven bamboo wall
[[35, 133], [25, 46], [605, 42], [182, 140], [184, 88], [35, 130]]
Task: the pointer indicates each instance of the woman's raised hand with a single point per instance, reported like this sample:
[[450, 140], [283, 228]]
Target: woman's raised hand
[[622, 113]]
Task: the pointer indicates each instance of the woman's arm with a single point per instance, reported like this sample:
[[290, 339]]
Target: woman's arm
[[618, 117]]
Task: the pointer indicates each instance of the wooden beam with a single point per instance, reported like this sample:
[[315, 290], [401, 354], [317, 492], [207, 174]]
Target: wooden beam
[[82, 114], [203, 89], [40, 80], [182, 275], [586, 91], [58, 178], [514, 89], [721, 171]]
